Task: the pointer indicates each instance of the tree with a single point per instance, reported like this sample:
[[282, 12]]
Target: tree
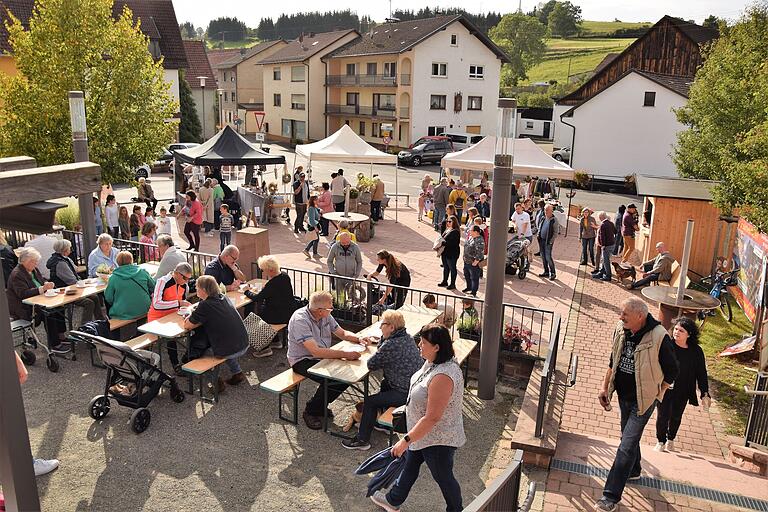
[[522, 39], [79, 46], [564, 20], [227, 29], [189, 127], [711, 21], [541, 11], [266, 30], [187, 30], [727, 116]]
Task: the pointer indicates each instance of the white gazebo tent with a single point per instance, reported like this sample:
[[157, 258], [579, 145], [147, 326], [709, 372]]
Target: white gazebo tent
[[346, 146]]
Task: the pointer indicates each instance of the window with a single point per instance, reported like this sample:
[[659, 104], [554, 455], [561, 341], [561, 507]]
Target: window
[[299, 130], [225, 76], [474, 103], [232, 96], [437, 102], [390, 69], [650, 99], [399, 132], [352, 98], [277, 100], [476, 72], [529, 125], [297, 73], [231, 77], [374, 129], [454, 40], [226, 96], [439, 69], [371, 68], [361, 131], [384, 101], [351, 69], [266, 127], [297, 101], [286, 128], [276, 73], [229, 115]]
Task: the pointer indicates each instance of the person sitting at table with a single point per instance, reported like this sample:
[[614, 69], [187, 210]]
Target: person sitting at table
[[103, 254], [218, 329], [25, 282], [170, 254], [310, 333], [399, 357], [129, 289], [397, 274], [657, 269], [344, 228], [169, 295], [448, 318], [225, 270], [275, 302], [64, 273]]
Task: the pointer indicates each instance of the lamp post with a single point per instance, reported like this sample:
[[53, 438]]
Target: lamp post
[[80, 150], [202, 86], [221, 111], [494, 290]]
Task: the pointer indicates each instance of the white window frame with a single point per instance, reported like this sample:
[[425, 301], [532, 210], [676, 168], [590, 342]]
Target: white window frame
[[294, 75], [454, 39], [436, 130], [469, 103], [441, 66], [529, 125], [277, 73], [474, 74], [298, 105], [445, 101]]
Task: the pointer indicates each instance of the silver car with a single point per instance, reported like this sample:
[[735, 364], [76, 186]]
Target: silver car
[[562, 154]]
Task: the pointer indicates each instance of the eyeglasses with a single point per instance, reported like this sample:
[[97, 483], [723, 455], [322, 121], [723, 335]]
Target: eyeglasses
[[185, 278]]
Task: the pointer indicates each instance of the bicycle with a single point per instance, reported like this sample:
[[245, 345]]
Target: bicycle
[[717, 286]]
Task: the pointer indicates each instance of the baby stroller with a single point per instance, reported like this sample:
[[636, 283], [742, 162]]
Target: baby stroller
[[132, 380], [517, 257]]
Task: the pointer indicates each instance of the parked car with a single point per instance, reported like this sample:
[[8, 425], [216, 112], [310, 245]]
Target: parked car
[[427, 152], [562, 154], [430, 138], [163, 163], [462, 140]]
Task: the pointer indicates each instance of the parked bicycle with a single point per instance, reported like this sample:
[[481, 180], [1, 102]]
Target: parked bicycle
[[717, 286]]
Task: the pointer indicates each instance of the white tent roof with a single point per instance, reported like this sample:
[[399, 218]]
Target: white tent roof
[[344, 146], [529, 159]]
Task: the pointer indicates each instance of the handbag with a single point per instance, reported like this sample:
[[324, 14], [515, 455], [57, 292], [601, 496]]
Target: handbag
[[260, 333], [483, 263], [399, 423], [439, 245]]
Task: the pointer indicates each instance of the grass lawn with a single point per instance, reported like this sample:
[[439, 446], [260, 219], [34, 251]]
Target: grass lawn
[[728, 375], [607, 27], [583, 54], [247, 43]]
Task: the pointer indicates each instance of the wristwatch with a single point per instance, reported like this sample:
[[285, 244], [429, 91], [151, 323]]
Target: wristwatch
[[407, 438]]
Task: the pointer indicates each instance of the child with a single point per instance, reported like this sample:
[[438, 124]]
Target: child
[[136, 223], [148, 238], [111, 211], [149, 215], [313, 224], [97, 216], [163, 222], [225, 226], [124, 223]]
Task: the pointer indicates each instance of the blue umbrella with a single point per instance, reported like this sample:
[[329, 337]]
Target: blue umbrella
[[388, 466]]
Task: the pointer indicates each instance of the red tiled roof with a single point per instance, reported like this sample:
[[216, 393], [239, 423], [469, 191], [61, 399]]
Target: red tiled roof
[[310, 44], [197, 58], [216, 57], [247, 53]]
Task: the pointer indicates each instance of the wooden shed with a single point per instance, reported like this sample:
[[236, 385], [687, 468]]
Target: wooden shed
[[668, 204]]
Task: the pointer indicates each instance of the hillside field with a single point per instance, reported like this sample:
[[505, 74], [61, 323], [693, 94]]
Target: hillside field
[[584, 55]]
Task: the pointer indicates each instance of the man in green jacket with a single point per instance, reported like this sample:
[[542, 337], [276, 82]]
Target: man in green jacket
[[129, 292], [657, 269]]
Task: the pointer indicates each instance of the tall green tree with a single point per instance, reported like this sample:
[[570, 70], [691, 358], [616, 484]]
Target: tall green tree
[[564, 20], [711, 21], [187, 30], [522, 39], [727, 113], [543, 10], [227, 29], [189, 127], [77, 45]]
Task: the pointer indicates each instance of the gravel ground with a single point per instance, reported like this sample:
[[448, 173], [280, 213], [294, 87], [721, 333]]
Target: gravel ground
[[235, 455]]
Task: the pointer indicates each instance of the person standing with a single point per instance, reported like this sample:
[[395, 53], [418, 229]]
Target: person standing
[[313, 225], [617, 222], [377, 196], [163, 222], [425, 194], [474, 253], [135, 223], [124, 224], [226, 222], [344, 258], [458, 198], [441, 194], [326, 206], [587, 234], [450, 256], [112, 215], [148, 250], [546, 236], [522, 221], [300, 199], [435, 423], [194, 221], [693, 372], [641, 368], [97, 218], [484, 207], [606, 238], [218, 199], [339, 185], [629, 227], [205, 195]]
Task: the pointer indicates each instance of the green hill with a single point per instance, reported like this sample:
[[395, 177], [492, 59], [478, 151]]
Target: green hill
[[608, 28], [582, 55], [247, 43]]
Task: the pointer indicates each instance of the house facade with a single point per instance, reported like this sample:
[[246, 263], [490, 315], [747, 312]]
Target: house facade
[[422, 77], [202, 81]]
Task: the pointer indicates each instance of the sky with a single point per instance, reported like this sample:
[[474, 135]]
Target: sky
[[200, 12]]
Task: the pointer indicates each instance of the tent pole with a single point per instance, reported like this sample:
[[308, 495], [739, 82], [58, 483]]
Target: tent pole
[[397, 190], [568, 213]]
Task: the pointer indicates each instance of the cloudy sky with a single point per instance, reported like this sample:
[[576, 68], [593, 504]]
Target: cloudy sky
[[199, 12]]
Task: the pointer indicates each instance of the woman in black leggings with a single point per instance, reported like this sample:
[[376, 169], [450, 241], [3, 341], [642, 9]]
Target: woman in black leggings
[[450, 256], [693, 372]]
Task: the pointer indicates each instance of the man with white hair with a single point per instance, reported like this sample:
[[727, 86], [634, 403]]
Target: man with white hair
[[103, 254], [146, 194], [310, 336], [657, 269], [606, 239], [547, 231], [440, 200], [225, 270], [641, 368], [170, 254], [344, 258]]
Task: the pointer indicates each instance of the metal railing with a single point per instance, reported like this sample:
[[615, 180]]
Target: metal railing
[[526, 330], [547, 375], [368, 80], [504, 492], [361, 110], [757, 423]]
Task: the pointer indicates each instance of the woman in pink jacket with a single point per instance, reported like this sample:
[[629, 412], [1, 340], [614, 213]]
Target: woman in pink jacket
[[194, 221], [325, 204]]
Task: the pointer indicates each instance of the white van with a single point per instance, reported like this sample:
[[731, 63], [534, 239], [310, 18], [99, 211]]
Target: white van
[[462, 140]]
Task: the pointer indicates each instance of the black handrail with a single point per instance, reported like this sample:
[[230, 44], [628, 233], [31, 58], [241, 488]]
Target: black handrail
[[547, 376], [504, 491]]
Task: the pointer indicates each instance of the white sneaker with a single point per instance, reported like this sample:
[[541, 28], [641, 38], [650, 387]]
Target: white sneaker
[[43, 466], [660, 447], [380, 498], [670, 445]]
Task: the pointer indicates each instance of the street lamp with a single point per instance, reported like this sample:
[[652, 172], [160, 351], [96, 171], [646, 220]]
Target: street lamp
[[221, 111], [202, 86], [493, 316], [80, 150]]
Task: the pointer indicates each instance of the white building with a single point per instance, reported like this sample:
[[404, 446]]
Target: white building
[[534, 123]]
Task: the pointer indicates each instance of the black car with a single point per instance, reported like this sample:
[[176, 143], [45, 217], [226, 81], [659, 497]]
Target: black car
[[427, 152], [163, 162]]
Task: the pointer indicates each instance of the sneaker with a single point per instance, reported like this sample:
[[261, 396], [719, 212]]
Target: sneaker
[[43, 466], [606, 279], [465, 290], [313, 422], [552, 277], [263, 353], [670, 445], [451, 287], [278, 344], [605, 505], [380, 428], [306, 253], [355, 444], [62, 348], [380, 499], [544, 274], [236, 379], [442, 285], [659, 447], [598, 275]]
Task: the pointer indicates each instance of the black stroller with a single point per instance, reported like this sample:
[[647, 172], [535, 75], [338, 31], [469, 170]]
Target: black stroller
[[132, 380], [517, 257]]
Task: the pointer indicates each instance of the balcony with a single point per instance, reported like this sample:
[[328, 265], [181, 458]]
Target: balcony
[[367, 80], [361, 110]]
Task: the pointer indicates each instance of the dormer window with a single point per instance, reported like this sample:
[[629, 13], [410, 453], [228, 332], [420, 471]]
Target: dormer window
[[154, 48]]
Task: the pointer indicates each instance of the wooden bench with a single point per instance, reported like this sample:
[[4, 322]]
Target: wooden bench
[[142, 342], [202, 367], [285, 383], [674, 281], [125, 328], [281, 333], [385, 420]]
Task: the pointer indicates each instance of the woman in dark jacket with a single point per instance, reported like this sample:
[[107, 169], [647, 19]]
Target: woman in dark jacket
[[26, 282], [64, 273], [450, 256], [274, 303], [618, 247], [693, 372], [397, 274]]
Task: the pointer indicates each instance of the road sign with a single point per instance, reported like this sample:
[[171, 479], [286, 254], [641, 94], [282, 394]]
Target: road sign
[[387, 140], [259, 137], [259, 115]]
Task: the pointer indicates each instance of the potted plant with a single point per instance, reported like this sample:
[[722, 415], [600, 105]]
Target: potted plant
[[469, 327], [582, 179], [517, 339], [365, 188]]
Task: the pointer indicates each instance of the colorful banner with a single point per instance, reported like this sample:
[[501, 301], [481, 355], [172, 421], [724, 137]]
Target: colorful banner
[[750, 255]]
